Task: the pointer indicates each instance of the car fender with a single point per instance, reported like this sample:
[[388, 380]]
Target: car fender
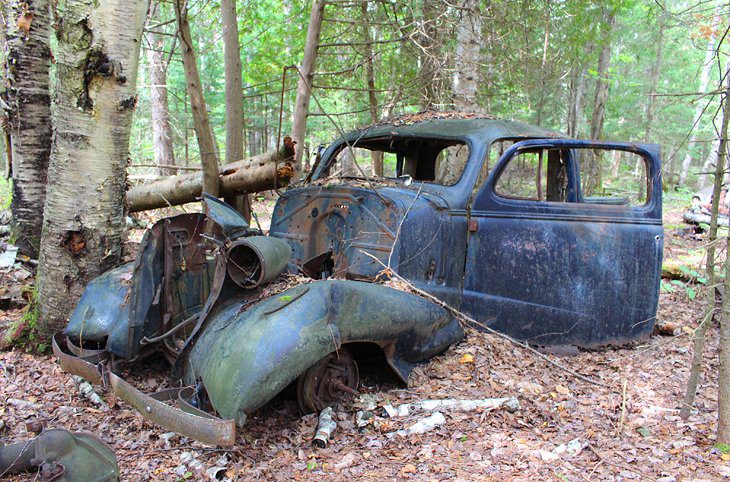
[[245, 357]]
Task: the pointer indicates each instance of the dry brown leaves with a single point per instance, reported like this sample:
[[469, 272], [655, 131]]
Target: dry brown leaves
[[532, 443]]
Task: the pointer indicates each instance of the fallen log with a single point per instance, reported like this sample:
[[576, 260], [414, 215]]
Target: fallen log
[[451, 404], [259, 173]]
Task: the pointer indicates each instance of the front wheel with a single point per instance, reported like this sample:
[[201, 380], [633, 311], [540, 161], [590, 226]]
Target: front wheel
[[328, 381]]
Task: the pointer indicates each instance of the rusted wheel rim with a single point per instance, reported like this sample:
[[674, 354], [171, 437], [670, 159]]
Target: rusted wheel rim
[[330, 380]]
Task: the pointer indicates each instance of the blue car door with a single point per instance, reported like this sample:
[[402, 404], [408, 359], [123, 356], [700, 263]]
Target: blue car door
[[565, 243]]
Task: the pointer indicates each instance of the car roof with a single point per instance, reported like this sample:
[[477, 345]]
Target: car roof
[[454, 124]]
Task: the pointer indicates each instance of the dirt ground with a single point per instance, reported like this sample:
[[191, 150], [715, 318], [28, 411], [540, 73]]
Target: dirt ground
[[565, 428]]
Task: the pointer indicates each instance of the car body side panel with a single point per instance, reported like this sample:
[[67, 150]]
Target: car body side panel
[[565, 281], [102, 313]]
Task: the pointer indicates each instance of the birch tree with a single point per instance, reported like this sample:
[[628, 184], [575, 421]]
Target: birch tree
[[96, 60], [699, 109], [27, 68], [468, 57]]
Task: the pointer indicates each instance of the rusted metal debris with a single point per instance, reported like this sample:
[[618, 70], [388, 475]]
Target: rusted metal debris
[[565, 269]]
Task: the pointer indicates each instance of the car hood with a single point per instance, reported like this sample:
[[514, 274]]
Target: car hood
[[352, 223]]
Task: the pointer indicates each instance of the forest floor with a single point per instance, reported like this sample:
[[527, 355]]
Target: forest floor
[[565, 429]]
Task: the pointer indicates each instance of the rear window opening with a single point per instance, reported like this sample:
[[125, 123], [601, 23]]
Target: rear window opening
[[607, 176], [437, 161]]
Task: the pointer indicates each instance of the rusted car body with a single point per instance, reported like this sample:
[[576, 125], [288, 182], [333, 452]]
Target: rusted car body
[[489, 216]]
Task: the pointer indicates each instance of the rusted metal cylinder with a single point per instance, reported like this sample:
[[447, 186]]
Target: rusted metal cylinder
[[256, 260]]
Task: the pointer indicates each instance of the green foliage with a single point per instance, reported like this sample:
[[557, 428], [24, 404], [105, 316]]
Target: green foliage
[[6, 193], [688, 287], [518, 77], [723, 448]]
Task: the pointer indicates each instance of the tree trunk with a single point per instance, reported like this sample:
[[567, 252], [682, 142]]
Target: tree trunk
[[96, 61], [304, 84], [369, 61], [575, 101], [710, 162], [594, 180], [723, 388], [468, 57], [234, 98], [27, 67], [428, 64], [699, 338], [601, 95], [161, 131], [699, 109], [653, 84], [544, 70], [259, 173], [654, 81], [206, 143]]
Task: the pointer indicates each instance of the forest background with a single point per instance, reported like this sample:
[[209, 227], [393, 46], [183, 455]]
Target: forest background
[[542, 62]]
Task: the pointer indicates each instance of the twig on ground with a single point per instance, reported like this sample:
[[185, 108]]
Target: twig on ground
[[623, 408]]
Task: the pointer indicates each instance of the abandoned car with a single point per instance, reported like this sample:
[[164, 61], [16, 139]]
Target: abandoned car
[[553, 241]]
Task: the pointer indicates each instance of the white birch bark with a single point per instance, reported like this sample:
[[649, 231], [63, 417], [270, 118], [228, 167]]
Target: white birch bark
[[699, 109], [97, 60], [468, 57], [162, 144], [27, 68]]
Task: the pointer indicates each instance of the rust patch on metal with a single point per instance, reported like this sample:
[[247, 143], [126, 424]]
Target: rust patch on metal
[[210, 430]]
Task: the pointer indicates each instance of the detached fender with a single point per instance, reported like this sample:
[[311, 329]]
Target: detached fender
[[103, 311], [244, 358]]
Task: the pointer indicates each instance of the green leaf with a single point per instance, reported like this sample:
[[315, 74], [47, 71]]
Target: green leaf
[[643, 431], [723, 448], [187, 475], [312, 464], [691, 293]]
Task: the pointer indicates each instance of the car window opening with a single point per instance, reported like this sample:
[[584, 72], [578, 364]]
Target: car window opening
[[607, 176], [438, 161]]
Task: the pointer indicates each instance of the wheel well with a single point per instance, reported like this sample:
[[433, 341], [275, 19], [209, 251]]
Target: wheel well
[[372, 363]]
